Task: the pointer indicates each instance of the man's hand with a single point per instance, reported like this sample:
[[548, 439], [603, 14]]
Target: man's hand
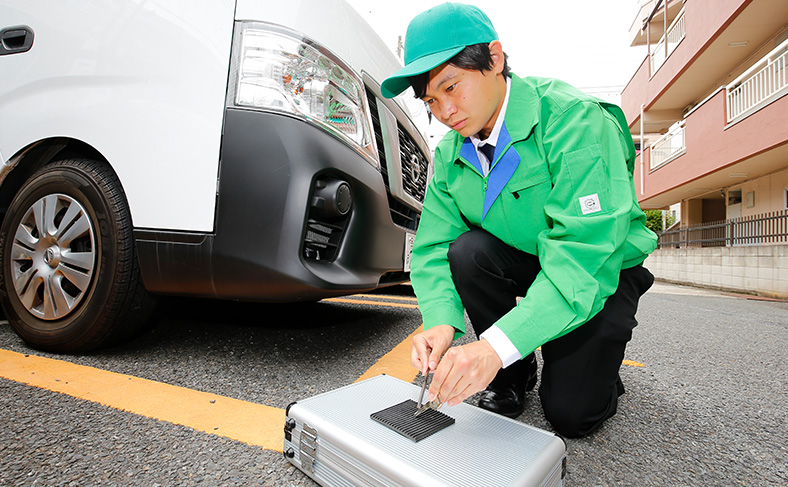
[[464, 371], [428, 346]]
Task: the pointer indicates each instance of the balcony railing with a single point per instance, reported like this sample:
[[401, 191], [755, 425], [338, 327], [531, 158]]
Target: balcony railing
[[668, 43], [766, 228], [669, 146], [759, 84]]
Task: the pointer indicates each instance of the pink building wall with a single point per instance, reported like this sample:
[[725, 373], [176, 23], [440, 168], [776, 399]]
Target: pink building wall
[[712, 147], [704, 19]]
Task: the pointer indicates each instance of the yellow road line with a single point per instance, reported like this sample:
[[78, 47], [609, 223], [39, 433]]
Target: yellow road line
[[254, 424], [395, 363], [401, 355], [385, 296], [251, 423], [376, 303]]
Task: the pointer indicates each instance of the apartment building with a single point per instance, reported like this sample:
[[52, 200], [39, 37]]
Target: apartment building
[[709, 110]]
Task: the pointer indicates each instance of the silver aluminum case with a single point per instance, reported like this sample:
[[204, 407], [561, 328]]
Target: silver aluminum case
[[333, 440]]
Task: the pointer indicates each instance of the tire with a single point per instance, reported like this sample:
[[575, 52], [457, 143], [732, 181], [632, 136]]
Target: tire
[[70, 280]]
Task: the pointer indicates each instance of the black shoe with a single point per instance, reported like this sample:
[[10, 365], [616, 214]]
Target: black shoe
[[507, 401]]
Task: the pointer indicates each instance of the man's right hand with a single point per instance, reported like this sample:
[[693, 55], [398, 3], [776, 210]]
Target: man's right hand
[[429, 346]]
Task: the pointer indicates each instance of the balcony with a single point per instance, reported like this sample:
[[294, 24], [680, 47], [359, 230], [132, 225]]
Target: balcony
[[669, 146], [717, 155], [665, 47], [721, 40], [763, 83]]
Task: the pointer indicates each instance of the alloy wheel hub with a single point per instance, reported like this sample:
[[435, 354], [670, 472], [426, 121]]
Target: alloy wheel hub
[[53, 256]]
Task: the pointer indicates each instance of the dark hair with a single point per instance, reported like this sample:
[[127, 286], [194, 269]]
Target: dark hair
[[474, 57]]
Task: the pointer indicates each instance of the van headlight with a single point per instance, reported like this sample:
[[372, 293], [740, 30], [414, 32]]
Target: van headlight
[[280, 70]]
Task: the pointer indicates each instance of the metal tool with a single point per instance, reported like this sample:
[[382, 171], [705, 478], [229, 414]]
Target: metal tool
[[434, 404]]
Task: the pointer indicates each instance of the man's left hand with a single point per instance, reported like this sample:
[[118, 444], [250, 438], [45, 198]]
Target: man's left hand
[[464, 371]]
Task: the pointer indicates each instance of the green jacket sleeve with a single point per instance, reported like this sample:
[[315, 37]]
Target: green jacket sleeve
[[430, 273], [589, 210]]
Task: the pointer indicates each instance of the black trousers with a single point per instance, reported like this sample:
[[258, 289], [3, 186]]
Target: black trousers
[[580, 381]]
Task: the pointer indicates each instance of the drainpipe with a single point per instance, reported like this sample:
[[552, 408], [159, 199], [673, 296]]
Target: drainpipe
[[665, 30], [654, 11], [642, 152], [647, 28], [648, 49]]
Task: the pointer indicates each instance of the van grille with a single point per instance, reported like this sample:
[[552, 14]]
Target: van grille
[[414, 166], [413, 178]]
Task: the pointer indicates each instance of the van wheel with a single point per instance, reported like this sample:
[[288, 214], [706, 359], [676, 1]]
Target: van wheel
[[70, 280]]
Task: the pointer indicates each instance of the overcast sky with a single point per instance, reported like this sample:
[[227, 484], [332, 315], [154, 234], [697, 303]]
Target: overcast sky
[[583, 42]]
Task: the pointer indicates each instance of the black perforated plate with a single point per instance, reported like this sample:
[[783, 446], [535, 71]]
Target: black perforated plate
[[401, 418]]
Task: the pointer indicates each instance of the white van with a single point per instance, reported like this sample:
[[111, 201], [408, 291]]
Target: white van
[[231, 149]]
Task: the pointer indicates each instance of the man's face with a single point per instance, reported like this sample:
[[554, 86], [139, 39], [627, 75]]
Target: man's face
[[466, 101]]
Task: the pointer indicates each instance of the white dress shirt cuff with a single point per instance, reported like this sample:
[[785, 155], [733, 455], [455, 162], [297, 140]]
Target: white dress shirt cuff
[[504, 347]]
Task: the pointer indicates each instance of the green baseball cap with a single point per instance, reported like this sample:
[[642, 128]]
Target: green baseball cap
[[435, 36]]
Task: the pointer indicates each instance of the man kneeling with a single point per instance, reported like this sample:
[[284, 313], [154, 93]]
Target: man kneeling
[[532, 196]]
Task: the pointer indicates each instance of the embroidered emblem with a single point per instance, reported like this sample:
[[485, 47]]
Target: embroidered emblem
[[590, 204]]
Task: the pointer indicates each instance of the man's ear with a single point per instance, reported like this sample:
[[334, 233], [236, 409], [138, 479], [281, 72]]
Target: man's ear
[[496, 53]]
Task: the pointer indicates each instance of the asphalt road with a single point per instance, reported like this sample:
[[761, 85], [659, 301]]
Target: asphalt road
[[706, 402]]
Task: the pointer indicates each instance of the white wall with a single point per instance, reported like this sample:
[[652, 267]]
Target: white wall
[[761, 270]]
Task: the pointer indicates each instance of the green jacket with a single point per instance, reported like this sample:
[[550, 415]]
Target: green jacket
[[563, 192]]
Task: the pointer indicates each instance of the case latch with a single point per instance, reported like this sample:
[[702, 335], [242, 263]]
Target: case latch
[[308, 448]]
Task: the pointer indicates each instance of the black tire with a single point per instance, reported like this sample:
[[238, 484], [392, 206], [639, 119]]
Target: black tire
[[70, 279]]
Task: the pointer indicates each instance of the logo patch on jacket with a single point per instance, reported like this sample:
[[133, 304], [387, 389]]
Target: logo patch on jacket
[[590, 204]]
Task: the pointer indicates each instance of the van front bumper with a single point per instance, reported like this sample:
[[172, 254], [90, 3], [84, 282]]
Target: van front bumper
[[262, 247]]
